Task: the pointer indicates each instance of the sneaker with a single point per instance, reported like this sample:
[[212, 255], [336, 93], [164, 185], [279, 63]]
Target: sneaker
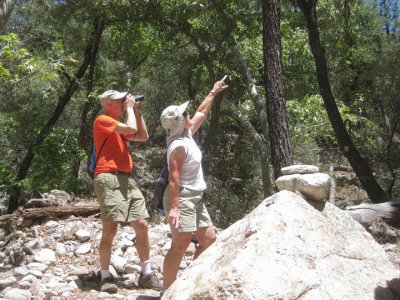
[[108, 285], [149, 282]]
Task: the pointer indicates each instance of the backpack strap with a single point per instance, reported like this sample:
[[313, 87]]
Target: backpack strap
[[170, 142], [101, 148]]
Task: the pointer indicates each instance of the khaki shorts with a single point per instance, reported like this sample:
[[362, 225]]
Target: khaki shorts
[[119, 198], [193, 211]]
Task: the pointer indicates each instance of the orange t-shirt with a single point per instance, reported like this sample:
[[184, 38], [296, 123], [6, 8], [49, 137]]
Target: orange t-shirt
[[115, 153]]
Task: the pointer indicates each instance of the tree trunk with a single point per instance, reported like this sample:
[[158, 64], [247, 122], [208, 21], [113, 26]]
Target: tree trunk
[[62, 102], [262, 117], [86, 120], [357, 162], [261, 147], [259, 104], [281, 150], [6, 8]]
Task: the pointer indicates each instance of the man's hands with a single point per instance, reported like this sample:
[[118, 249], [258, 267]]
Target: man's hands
[[130, 102], [174, 217]]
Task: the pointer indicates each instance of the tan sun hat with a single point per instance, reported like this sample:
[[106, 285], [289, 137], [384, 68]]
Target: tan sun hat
[[173, 121], [112, 95]]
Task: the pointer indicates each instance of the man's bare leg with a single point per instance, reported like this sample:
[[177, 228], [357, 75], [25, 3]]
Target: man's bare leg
[[107, 237]]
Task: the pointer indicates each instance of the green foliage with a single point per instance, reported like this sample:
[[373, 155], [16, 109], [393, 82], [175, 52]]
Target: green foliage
[[52, 164], [7, 178], [16, 63], [312, 127]]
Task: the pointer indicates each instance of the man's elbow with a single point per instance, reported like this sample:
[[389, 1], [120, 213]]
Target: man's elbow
[[145, 138], [142, 137]]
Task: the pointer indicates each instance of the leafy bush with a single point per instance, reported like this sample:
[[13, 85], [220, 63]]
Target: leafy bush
[[312, 132]]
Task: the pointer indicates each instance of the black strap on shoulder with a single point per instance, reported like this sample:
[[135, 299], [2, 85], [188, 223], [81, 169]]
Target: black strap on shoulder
[[101, 148], [178, 138]]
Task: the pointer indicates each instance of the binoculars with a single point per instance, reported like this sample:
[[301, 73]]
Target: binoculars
[[136, 97]]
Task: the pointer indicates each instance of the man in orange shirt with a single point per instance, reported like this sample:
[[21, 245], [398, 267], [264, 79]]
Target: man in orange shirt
[[118, 194]]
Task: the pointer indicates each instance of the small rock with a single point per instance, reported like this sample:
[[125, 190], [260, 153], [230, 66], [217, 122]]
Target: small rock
[[51, 224], [37, 266], [35, 244], [29, 278], [118, 263], [61, 249], [2, 234], [83, 235], [46, 256], [25, 285], [130, 268], [299, 169], [21, 271], [79, 271], [17, 294], [190, 250], [83, 249], [7, 282], [36, 273], [167, 246], [389, 247]]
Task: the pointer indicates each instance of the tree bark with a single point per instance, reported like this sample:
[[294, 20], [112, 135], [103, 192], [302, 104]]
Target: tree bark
[[258, 102], [263, 119], [281, 150], [86, 120], [62, 102], [357, 162], [261, 147], [6, 8]]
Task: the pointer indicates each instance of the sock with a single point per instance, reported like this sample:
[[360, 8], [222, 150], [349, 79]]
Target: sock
[[146, 268], [105, 274]]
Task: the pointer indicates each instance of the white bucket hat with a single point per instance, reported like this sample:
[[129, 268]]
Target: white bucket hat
[[173, 121], [112, 95]]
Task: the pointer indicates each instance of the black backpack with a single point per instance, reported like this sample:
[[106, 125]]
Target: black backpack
[[161, 184]]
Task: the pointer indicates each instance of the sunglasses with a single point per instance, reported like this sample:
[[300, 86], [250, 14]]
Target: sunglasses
[[184, 114]]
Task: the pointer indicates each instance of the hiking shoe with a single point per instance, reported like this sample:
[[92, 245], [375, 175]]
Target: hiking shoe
[[108, 285], [149, 282]]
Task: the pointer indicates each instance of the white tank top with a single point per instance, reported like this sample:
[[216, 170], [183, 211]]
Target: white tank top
[[191, 175]]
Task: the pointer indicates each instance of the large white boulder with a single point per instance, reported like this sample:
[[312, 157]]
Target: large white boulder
[[287, 249]]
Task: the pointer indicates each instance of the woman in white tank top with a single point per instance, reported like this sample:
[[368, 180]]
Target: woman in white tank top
[[183, 203]]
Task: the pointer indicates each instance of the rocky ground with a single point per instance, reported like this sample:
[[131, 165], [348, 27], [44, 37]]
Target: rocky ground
[[58, 259]]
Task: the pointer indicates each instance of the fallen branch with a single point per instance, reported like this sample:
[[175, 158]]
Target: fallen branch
[[49, 212], [367, 214]]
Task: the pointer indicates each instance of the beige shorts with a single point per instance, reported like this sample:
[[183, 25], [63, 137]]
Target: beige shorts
[[119, 198], [193, 211]]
